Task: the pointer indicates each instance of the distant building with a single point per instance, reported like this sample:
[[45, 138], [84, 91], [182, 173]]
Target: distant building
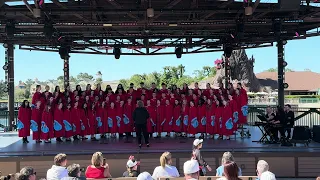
[[21, 85], [300, 82]]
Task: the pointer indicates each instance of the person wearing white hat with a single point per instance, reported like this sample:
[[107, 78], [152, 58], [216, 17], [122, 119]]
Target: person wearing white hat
[[196, 155], [191, 169], [132, 168], [145, 176]]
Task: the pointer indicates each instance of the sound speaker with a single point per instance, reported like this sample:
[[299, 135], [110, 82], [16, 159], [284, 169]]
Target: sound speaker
[[293, 5], [316, 133], [301, 133]]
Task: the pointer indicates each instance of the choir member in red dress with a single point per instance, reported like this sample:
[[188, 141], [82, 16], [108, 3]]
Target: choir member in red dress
[[92, 122], [193, 120], [189, 96], [185, 117], [164, 88], [97, 90], [127, 117], [151, 123], [111, 95], [185, 88], [139, 90], [112, 121], [227, 124], [47, 125], [218, 118], [210, 115], [23, 122], [88, 89], [177, 120], [243, 104], [235, 112], [154, 99], [206, 92], [202, 118], [101, 118], [67, 121], [131, 93], [57, 90], [92, 96], [231, 89], [172, 99], [143, 99], [168, 121], [78, 89], [84, 121], [36, 96], [152, 90], [75, 119], [212, 96], [119, 117], [195, 99], [163, 98], [107, 101], [47, 90], [120, 92], [35, 126], [59, 130], [160, 118], [196, 88]]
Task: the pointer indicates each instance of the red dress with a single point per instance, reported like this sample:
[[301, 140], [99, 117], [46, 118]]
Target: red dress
[[46, 126], [235, 114], [102, 119], [95, 173], [160, 118], [23, 122], [218, 114], [35, 126], [112, 121], [202, 118], [76, 121], [212, 126], [185, 116], [58, 126], [193, 120], [119, 117], [167, 126], [84, 122], [177, 120], [127, 123], [243, 106], [92, 122], [67, 123], [151, 123], [227, 124], [36, 97]]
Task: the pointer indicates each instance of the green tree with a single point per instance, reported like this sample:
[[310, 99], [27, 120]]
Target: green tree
[[84, 76], [27, 93], [125, 83], [28, 83], [19, 94], [3, 86], [99, 80]]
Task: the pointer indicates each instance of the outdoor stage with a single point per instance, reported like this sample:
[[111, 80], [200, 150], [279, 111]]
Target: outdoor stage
[[297, 161]]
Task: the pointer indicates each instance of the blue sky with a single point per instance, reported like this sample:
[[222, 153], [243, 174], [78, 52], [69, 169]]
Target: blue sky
[[300, 55]]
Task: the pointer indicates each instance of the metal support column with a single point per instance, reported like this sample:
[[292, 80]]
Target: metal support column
[[10, 80], [66, 72], [280, 46], [227, 72]]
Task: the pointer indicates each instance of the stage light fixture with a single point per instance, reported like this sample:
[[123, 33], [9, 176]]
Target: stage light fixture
[[178, 51], [285, 85], [227, 50], [117, 52], [285, 63], [5, 67], [64, 52]]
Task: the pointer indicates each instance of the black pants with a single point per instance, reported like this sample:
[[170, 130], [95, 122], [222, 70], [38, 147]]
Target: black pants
[[288, 131], [142, 128]]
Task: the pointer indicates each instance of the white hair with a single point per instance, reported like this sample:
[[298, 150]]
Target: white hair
[[267, 176], [227, 157], [262, 166]]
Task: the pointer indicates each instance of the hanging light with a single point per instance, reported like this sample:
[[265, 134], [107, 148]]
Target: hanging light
[[150, 12]]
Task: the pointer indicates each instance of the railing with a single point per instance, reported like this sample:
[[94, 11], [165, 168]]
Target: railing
[[303, 116]]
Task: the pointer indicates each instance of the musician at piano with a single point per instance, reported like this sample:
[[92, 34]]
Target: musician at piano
[[271, 119], [280, 122], [289, 119]]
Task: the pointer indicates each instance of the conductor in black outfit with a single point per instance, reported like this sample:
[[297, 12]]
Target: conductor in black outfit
[[140, 117], [289, 119]]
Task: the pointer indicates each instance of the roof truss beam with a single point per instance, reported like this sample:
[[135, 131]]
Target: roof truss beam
[[57, 2]]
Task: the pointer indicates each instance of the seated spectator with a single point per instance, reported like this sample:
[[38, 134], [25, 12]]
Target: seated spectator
[[165, 170], [318, 178], [6, 177], [132, 167], [262, 167], [26, 173], [99, 168], [231, 171], [74, 172], [145, 176], [267, 175], [191, 170], [58, 170], [227, 157]]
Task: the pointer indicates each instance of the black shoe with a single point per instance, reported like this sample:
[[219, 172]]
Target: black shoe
[[59, 140], [38, 141], [94, 139], [148, 145], [140, 145], [68, 140]]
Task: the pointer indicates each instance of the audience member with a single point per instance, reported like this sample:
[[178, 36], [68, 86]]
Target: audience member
[[191, 170], [26, 173], [267, 175], [58, 170], [230, 172], [145, 176], [6, 177], [165, 169], [132, 167], [99, 168], [196, 155], [227, 157], [262, 167], [74, 172]]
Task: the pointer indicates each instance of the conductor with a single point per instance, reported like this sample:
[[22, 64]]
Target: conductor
[[140, 117]]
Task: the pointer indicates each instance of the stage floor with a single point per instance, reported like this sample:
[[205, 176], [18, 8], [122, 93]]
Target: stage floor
[[11, 145]]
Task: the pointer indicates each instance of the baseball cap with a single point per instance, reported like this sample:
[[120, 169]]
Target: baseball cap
[[132, 163], [191, 166], [196, 142], [144, 176]]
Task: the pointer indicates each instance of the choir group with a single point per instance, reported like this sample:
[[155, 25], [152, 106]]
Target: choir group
[[80, 113]]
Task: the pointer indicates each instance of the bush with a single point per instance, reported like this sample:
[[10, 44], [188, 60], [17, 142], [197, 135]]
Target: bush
[[302, 96]]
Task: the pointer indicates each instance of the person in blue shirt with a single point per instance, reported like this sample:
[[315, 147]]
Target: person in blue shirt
[[227, 157]]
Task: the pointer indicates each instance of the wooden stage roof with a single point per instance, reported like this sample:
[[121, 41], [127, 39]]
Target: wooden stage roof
[[97, 26]]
